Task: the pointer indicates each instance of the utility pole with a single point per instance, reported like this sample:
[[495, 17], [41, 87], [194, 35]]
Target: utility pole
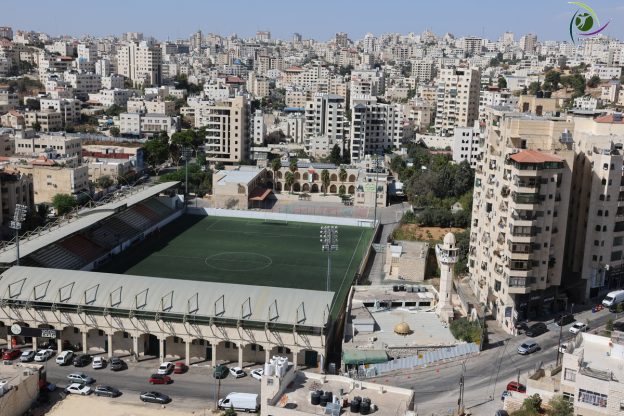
[[559, 343], [460, 401]]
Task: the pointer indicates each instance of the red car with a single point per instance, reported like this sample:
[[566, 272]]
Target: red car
[[180, 368], [160, 379], [515, 386], [11, 354]]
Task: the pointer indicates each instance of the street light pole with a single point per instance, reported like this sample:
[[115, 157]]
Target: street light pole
[[329, 243]]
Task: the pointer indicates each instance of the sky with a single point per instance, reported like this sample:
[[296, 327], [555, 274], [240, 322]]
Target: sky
[[317, 19]]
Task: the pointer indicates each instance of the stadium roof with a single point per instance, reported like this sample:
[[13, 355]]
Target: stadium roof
[[87, 218], [166, 296]]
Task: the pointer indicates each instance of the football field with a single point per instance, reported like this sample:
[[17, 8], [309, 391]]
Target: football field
[[246, 251]]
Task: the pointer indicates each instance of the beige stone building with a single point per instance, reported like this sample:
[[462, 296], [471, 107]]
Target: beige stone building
[[457, 102], [27, 142], [15, 188], [140, 62], [51, 178], [113, 168], [239, 187], [48, 120]]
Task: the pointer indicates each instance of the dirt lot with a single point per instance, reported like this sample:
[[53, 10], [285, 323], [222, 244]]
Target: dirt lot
[[98, 406], [414, 232]]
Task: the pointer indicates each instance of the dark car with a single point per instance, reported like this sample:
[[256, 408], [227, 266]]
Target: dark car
[[536, 329], [501, 413], [220, 372], [160, 379], [11, 354], [82, 360], [564, 319], [154, 397], [117, 364], [107, 391]]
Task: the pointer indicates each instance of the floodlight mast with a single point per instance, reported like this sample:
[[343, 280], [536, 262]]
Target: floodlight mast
[[19, 216], [329, 243]]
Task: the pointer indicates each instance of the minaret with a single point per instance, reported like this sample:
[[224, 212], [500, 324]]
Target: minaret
[[446, 254]]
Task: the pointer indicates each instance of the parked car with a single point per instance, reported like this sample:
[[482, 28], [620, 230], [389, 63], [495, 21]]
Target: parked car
[[44, 355], [107, 391], [116, 364], [506, 393], [536, 329], [65, 357], [160, 379], [578, 327], [80, 378], [166, 368], [564, 319], [515, 386], [220, 371], [522, 325], [237, 372], [613, 298], [82, 360], [257, 373], [180, 368], [154, 397], [98, 363], [78, 388], [527, 347], [27, 356], [11, 354]]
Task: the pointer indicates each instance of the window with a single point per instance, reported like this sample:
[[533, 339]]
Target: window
[[569, 374], [590, 397]]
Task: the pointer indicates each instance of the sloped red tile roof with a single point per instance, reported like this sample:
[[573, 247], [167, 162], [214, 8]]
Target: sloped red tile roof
[[533, 156]]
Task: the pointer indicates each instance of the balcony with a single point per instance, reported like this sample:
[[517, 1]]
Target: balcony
[[518, 285], [526, 198]]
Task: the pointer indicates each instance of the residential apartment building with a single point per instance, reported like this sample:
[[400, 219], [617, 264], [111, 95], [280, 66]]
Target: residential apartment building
[[226, 123], [137, 105], [467, 145], [424, 71], [46, 120], [107, 97], [457, 103], [140, 62], [51, 177], [147, 125], [69, 108], [27, 142], [113, 168], [258, 128], [519, 214], [325, 116], [368, 82], [374, 126], [83, 83], [8, 101]]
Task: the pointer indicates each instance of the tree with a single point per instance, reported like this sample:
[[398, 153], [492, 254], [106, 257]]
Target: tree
[[292, 165], [104, 182], [33, 104], [552, 78], [534, 87], [325, 180], [275, 137], [63, 203], [114, 110], [114, 131], [593, 81], [157, 150], [502, 82], [289, 180], [342, 175], [36, 126], [560, 406], [276, 164], [334, 156], [532, 405]]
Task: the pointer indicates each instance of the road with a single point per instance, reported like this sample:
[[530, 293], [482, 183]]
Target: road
[[196, 388], [485, 375]]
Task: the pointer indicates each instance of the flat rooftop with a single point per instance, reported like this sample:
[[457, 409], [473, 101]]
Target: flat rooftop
[[599, 358]]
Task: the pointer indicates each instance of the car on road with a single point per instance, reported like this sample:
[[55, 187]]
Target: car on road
[[536, 329], [116, 364], [237, 372], [82, 360], [501, 413], [257, 373], [27, 356], [65, 357], [564, 319], [98, 363], [527, 347], [220, 371], [160, 379], [154, 397], [166, 368], [78, 388], [180, 368], [506, 393], [578, 327], [81, 378], [11, 354], [515, 386], [44, 355], [107, 391]]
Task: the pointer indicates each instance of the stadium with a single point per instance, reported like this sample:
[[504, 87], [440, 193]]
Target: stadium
[[145, 276]]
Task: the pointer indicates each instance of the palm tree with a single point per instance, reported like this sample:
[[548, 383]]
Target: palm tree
[[276, 165], [289, 180], [293, 165], [325, 180], [342, 175]]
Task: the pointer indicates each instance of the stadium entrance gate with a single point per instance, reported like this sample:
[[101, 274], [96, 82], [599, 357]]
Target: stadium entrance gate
[[311, 359], [152, 346]]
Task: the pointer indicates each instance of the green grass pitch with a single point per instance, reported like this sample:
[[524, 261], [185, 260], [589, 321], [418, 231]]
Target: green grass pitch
[[246, 251]]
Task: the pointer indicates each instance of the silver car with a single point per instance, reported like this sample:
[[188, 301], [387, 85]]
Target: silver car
[[528, 347]]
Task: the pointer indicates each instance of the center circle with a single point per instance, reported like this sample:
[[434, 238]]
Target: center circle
[[238, 261]]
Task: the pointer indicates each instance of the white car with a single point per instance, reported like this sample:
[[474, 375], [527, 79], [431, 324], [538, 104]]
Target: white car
[[257, 373], [43, 355], [578, 327], [237, 372], [77, 388], [166, 368], [98, 362]]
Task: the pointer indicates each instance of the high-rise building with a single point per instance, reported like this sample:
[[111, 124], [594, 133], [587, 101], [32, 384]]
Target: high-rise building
[[457, 103], [297, 38], [6, 32], [423, 70], [528, 43], [472, 45], [263, 35], [467, 144], [342, 39], [87, 52], [196, 41], [507, 39], [374, 126], [325, 116], [141, 63]]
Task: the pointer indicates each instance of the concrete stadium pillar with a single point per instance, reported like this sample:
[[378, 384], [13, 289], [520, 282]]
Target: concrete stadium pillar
[[59, 345], [161, 349], [240, 355], [135, 347], [84, 342], [267, 354], [214, 354], [110, 345], [9, 341], [295, 353], [34, 344], [187, 352]]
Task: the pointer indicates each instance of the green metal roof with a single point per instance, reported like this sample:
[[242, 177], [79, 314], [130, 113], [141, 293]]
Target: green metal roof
[[364, 356]]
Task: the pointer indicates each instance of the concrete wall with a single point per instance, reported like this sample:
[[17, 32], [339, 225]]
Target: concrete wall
[[19, 399]]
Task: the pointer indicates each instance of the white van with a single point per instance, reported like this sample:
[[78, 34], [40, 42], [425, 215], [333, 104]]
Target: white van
[[247, 402], [65, 357], [613, 298]]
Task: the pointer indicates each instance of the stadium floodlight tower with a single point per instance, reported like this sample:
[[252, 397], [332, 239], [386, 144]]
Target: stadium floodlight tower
[[16, 224], [329, 243]]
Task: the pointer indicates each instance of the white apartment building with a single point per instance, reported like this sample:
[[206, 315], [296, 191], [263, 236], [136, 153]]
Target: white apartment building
[[27, 142], [83, 83], [150, 124], [113, 81], [494, 97], [466, 145], [424, 71], [140, 62], [258, 128], [258, 86], [374, 126], [138, 105], [528, 43], [226, 123], [519, 215], [368, 82], [109, 97], [325, 116], [87, 52], [68, 107], [457, 103]]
